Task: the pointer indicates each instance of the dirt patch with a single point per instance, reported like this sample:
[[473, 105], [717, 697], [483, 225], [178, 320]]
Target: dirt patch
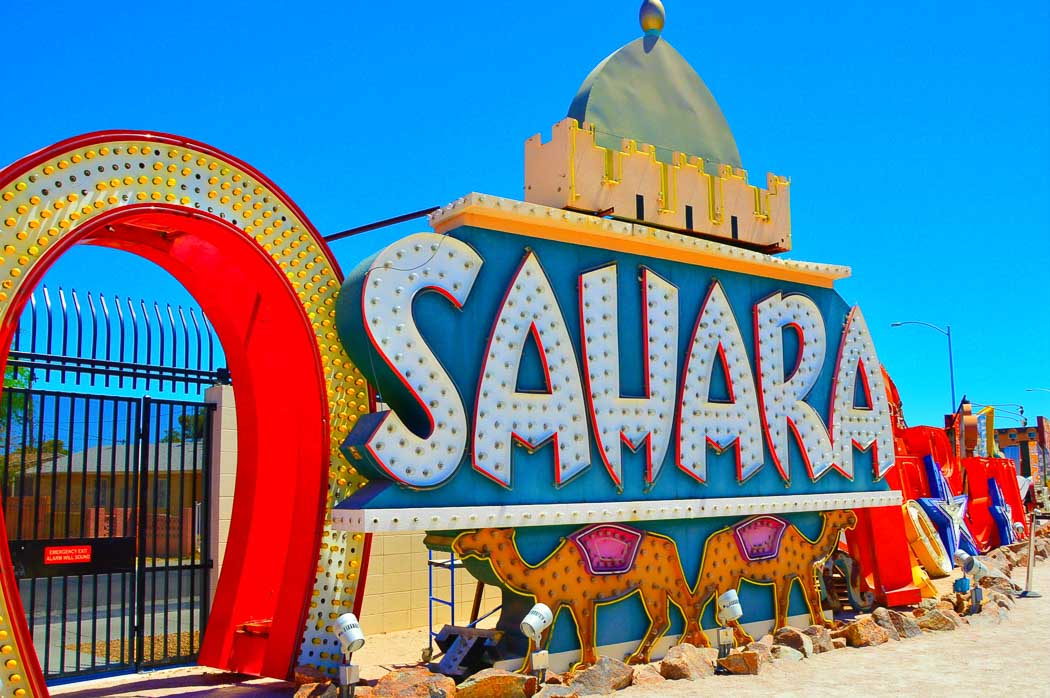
[[156, 647]]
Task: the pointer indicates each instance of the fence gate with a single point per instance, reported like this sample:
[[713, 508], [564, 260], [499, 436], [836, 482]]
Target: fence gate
[[104, 490], [105, 500]]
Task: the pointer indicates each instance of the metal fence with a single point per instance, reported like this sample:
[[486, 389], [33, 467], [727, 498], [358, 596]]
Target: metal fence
[[105, 478], [105, 501], [69, 338]]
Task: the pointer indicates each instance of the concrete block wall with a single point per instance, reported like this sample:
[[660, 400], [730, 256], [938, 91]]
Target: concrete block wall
[[396, 590], [223, 474]]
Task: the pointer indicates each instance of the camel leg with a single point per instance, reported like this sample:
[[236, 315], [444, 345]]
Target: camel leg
[[691, 610], [657, 609], [782, 590], [692, 618], [740, 636], [585, 632]]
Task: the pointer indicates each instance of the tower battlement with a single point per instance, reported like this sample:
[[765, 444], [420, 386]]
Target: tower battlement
[[572, 171]]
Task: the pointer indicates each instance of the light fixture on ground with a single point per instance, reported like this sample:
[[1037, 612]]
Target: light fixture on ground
[[533, 625], [729, 611], [351, 638], [977, 570]]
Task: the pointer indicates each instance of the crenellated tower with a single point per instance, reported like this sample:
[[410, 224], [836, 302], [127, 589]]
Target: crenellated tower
[[645, 141]]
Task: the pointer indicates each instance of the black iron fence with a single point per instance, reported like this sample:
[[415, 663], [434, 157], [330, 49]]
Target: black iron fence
[[68, 338], [105, 492], [105, 502]]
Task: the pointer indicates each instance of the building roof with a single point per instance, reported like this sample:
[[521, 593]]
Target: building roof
[[112, 459]]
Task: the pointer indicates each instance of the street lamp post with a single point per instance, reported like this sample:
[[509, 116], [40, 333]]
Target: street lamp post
[[947, 332]]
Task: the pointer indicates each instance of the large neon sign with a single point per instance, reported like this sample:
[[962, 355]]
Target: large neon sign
[[475, 355]]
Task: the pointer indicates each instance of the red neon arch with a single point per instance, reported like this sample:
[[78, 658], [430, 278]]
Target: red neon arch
[[283, 421]]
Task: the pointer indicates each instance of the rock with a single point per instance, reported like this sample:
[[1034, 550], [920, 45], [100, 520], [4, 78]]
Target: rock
[[939, 620], [317, 690], [838, 643], [926, 604], [767, 640], [821, 638], [862, 632], [604, 676], [557, 691], [647, 674], [557, 679], [783, 653], [415, 682], [904, 626], [795, 639], [999, 584], [497, 683], [762, 649], [688, 662], [304, 674], [1002, 600], [742, 662]]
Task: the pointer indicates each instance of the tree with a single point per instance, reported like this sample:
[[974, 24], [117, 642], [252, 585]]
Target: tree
[[191, 428]]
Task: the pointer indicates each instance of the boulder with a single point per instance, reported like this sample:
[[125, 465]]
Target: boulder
[[795, 639], [497, 683], [821, 638], [999, 584], [939, 620], [901, 625], [862, 632], [882, 619], [317, 690], [304, 674], [742, 662], [999, 599], [838, 643], [688, 662], [415, 682], [783, 653], [647, 675], [557, 679], [762, 649], [604, 676], [557, 691]]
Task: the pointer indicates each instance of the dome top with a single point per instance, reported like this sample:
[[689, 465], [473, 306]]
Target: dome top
[[647, 92]]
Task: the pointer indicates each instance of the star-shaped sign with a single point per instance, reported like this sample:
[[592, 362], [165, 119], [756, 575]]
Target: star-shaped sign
[[948, 512], [1002, 513]]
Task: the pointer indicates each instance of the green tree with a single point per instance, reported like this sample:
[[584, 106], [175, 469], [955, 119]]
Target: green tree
[[191, 428]]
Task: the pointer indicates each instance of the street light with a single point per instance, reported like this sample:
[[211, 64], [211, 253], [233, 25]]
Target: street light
[[947, 332]]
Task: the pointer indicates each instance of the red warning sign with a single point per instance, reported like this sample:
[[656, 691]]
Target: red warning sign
[[66, 554]]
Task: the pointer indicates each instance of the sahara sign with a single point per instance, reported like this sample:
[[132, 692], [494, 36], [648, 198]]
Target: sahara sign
[[480, 340]]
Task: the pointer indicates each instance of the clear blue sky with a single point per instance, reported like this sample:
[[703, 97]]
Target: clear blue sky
[[916, 134]]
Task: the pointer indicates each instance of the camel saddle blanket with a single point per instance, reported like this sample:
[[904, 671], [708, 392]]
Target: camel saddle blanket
[[759, 537], [608, 548]]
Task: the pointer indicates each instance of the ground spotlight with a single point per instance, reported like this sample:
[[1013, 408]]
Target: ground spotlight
[[536, 621], [348, 632], [729, 611]]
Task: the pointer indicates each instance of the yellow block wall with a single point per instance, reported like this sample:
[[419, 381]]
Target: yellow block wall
[[396, 591]]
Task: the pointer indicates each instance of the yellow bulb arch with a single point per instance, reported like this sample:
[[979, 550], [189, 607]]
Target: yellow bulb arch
[[260, 270]]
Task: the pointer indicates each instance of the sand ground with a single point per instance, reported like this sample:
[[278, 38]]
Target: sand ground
[[1008, 659]]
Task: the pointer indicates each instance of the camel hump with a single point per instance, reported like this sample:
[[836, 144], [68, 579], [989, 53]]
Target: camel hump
[[759, 537], [608, 548]]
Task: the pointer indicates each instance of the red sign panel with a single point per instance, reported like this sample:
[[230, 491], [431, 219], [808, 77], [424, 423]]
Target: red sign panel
[[66, 554]]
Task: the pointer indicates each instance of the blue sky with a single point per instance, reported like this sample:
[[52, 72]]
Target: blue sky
[[917, 137]]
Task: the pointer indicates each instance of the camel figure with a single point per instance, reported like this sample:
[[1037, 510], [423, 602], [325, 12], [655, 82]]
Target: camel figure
[[724, 565], [565, 580]]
